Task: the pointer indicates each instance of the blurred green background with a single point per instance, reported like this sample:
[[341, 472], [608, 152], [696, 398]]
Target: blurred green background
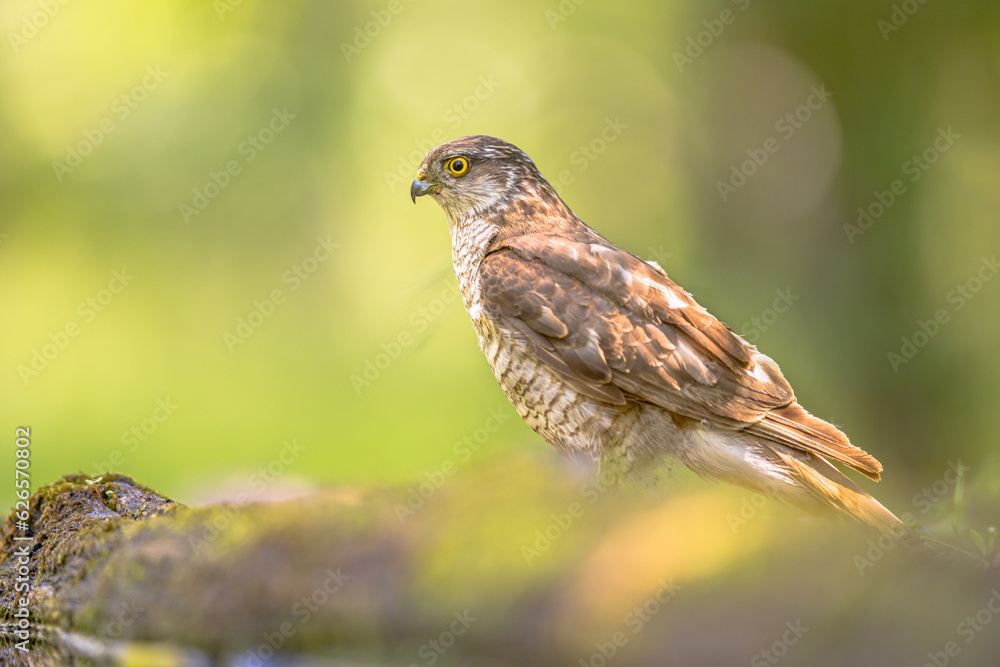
[[244, 167]]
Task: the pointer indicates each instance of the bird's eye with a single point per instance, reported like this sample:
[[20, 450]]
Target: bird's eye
[[458, 165]]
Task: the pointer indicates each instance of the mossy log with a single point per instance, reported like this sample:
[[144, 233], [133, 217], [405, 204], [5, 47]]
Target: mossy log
[[513, 564]]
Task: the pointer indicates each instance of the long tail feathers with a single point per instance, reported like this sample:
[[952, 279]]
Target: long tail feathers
[[823, 486]]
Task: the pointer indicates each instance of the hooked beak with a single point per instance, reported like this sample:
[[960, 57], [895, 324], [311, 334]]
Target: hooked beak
[[419, 188]]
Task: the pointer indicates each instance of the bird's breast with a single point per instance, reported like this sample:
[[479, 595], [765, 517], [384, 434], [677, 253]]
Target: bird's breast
[[549, 405], [470, 239]]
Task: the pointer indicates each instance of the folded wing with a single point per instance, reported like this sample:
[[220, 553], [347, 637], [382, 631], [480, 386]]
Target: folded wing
[[618, 329]]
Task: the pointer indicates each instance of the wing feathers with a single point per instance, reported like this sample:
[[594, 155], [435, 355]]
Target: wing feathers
[[795, 427], [658, 336], [548, 324], [631, 283], [617, 329], [546, 353], [584, 319], [587, 360]]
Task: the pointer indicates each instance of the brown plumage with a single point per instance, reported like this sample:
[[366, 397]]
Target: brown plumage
[[607, 358]]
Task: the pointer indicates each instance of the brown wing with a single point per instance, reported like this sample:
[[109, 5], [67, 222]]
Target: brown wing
[[618, 329]]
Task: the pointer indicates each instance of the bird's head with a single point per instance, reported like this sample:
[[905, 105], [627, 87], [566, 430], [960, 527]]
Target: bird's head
[[471, 175]]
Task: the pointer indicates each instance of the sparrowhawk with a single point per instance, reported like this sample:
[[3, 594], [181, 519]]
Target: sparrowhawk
[[605, 357]]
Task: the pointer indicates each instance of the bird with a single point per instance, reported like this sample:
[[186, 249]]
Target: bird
[[613, 363]]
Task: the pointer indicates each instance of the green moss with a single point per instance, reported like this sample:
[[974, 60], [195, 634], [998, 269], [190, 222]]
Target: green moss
[[134, 574]]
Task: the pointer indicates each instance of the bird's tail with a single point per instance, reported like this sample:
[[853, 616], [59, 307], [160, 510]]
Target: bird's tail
[[794, 475], [822, 487]]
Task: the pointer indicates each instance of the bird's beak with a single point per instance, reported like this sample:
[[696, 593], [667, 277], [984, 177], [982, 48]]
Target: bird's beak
[[419, 188]]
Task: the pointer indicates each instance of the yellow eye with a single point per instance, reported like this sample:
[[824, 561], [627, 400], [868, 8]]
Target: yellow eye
[[458, 165]]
